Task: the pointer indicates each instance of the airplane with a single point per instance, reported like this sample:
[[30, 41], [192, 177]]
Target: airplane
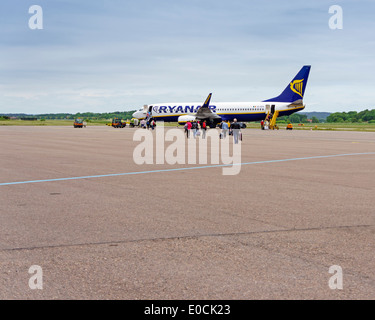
[[288, 102]]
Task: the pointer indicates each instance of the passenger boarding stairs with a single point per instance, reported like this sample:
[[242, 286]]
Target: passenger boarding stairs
[[273, 119]]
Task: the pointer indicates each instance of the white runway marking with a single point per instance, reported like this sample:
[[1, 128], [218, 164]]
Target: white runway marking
[[184, 169]]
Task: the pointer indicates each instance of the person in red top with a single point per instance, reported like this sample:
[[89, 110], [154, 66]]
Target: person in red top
[[189, 125], [204, 128]]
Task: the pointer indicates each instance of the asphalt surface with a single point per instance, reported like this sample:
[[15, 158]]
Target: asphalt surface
[[271, 232]]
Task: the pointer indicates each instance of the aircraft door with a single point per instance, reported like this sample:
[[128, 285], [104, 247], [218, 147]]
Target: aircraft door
[[150, 111]]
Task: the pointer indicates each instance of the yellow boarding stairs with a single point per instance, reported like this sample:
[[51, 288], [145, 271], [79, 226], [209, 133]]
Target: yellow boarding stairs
[[273, 124]]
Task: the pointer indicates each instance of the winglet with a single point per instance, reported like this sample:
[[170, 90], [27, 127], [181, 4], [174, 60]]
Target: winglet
[[204, 112], [207, 102]]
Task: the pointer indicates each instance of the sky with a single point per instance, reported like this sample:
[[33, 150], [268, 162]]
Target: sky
[[118, 55]]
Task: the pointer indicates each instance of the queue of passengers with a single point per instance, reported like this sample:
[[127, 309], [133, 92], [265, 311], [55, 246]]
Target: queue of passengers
[[226, 128], [147, 124], [200, 127], [195, 126]]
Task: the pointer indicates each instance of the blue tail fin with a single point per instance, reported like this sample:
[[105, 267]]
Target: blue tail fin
[[295, 89]]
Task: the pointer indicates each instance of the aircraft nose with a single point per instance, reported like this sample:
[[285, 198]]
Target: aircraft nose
[[135, 114]]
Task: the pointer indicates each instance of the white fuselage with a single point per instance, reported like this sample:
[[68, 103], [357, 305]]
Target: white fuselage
[[227, 111]]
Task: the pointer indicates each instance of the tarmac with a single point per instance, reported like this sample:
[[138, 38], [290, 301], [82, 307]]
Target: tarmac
[[302, 204]]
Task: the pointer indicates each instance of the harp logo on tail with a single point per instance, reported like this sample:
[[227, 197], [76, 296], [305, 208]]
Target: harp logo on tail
[[297, 86]]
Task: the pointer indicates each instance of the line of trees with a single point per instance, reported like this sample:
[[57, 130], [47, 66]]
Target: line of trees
[[69, 116], [297, 118], [353, 116], [89, 115]]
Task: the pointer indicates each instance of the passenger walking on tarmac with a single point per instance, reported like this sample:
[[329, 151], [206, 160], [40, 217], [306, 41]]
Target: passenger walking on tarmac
[[153, 124], [235, 126], [204, 128], [189, 125], [143, 124], [194, 128], [224, 129], [262, 125], [148, 124]]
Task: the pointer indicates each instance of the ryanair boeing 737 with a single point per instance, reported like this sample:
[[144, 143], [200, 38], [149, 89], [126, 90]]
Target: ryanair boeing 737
[[288, 102]]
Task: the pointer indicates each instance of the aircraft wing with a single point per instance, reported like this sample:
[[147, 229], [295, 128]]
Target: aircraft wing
[[204, 112]]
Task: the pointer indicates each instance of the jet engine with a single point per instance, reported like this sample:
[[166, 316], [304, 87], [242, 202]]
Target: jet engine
[[183, 119]]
